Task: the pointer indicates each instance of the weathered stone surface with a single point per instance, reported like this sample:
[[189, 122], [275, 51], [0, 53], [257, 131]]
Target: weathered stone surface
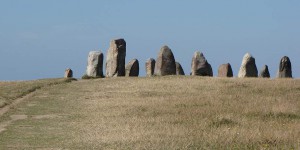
[[115, 61], [248, 67], [68, 73], [165, 63], [200, 66], [285, 68], [95, 64], [150, 66], [225, 70], [264, 72], [179, 70], [132, 68]]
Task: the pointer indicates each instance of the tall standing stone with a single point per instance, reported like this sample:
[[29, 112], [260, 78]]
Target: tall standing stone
[[248, 67], [225, 70], [285, 68], [132, 68], [68, 73], [264, 72], [165, 63], [179, 70], [95, 64], [200, 66], [150, 66], [115, 61]]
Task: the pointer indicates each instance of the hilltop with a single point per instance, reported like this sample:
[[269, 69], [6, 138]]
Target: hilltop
[[171, 112]]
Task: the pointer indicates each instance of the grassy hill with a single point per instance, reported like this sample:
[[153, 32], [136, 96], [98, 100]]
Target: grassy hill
[[173, 112], [9, 91]]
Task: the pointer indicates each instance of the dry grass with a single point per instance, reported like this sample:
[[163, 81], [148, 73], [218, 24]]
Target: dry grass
[[10, 91], [159, 113]]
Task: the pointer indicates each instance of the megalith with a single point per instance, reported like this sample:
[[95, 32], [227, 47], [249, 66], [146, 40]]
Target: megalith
[[225, 70], [115, 60], [264, 72], [68, 73], [200, 66], [285, 68], [248, 67], [150, 66], [95, 64], [179, 70], [165, 62], [132, 68]]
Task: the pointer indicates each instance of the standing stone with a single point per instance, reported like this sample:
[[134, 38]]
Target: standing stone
[[248, 67], [115, 61], [225, 70], [165, 63], [68, 73], [285, 68], [200, 66], [95, 64], [179, 70], [264, 72], [132, 68], [150, 66]]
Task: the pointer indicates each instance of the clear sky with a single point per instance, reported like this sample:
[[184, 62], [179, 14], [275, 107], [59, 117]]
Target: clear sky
[[39, 39]]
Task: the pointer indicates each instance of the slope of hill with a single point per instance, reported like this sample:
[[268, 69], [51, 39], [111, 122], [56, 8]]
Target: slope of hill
[[173, 112], [9, 91]]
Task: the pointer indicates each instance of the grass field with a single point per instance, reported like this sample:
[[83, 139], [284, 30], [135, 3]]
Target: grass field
[[10, 91], [173, 112]]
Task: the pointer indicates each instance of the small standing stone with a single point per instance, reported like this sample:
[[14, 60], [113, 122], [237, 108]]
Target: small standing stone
[[132, 68], [95, 64], [115, 61], [248, 67], [225, 70], [150, 66], [68, 73], [264, 72], [285, 68], [165, 63], [179, 70], [200, 66]]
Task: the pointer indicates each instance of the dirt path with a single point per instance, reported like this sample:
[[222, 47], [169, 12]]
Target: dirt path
[[17, 101], [6, 108]]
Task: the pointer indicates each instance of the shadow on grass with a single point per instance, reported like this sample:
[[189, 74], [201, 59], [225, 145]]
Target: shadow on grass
[[281, 115], [223, 122], [272, 116]]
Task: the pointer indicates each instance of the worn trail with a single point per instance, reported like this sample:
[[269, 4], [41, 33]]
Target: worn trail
[[17, 101], [6, 108]]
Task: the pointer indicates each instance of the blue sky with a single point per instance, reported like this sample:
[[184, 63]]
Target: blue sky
[[39, 39]]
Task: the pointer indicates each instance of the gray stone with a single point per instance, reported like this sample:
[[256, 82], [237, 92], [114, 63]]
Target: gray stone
[[200, 66], [225, 70], [68, 73], [248, 67], [179, 70], [115, 60], [285, 68], [95, 64], [165, 63], [132, 68], [264, 72], [150, 66]]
